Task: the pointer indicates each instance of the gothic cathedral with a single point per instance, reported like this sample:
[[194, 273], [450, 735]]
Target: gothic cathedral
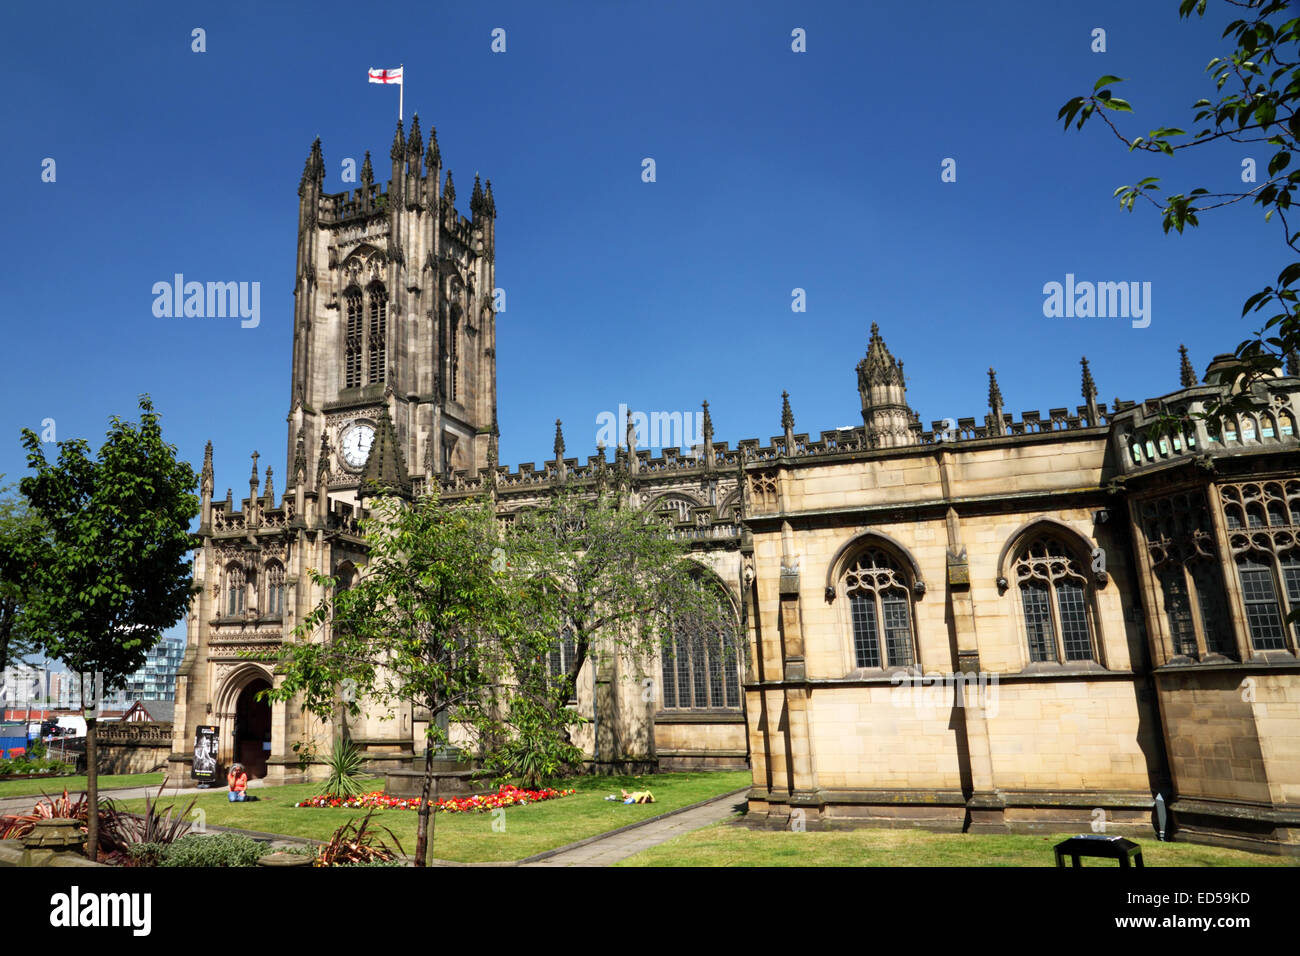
[[991, 624]]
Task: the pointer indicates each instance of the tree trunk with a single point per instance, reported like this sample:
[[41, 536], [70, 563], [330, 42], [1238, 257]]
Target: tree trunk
[[424, 842], [92, 792]]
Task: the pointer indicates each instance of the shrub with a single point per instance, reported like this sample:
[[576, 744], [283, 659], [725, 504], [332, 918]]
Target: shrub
[[352, 844], [145, 854], [535, 746], [345, 767], [14, 826], [28, 765], [124, 830], [221, 849]]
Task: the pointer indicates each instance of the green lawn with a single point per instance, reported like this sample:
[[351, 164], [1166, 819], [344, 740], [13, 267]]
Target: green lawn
[[725, 844], [54, 785], [469, 837]]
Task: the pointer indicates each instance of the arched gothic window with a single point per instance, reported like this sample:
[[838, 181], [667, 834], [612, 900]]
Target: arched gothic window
[[880, 611], [378, 343], [1265, 550], [236, 581], [1054, 596], [352, 338], [701, 668], [1181, 544], [274, 589]]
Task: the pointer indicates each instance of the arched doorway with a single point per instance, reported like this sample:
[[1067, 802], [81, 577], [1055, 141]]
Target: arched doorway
[[253, 728]]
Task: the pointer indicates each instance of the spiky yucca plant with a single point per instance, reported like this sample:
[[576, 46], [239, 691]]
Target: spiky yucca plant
[[345, 766]]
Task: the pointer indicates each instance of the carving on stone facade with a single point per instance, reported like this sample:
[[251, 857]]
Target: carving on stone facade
[[762, 490]]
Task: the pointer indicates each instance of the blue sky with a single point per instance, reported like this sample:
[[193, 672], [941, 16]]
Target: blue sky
[[775, 170]]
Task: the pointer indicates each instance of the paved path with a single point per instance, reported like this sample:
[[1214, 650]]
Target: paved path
[[54, 787], [621, 845]]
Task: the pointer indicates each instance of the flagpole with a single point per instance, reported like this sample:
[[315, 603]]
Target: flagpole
[[401, 91]]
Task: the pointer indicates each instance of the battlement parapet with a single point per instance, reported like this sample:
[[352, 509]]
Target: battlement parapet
[[1162, 431]]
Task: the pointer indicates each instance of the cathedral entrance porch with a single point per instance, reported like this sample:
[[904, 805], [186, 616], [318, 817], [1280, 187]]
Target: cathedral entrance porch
[[252, 731]]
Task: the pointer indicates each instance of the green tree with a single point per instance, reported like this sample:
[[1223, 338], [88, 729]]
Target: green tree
[[616, 577], [432, 621], [1257, 90], [112, 571], [20, 529]]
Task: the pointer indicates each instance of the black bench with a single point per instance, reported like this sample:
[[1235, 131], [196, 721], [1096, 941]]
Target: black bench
[[1095, 844]]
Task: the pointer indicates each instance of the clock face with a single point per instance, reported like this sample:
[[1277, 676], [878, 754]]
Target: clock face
[[356, 444]]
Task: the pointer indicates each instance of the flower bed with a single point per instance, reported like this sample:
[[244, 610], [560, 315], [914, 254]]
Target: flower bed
[[507, 796]]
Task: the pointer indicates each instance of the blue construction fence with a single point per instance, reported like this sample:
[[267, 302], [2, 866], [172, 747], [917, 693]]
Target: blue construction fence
[[13, 737]]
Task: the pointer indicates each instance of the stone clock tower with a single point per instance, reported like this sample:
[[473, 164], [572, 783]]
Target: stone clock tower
[[394, 328], [393, 385]]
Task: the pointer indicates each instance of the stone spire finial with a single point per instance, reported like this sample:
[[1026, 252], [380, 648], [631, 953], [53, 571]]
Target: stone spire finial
[[787, 423], [879, 367], [706, 430], [886, 417], [268, 489], [385, 468], [1186, 374], [323, 460], [415, 143], [432, 155], [300, 458], [449, 190], [602, 472], [489, 204], [399, 144], [313, 170], [476, 209], [367, 172], [995, 393], [206, 476], [997, 425], [253, 479], [1090, 393], [559, 442]]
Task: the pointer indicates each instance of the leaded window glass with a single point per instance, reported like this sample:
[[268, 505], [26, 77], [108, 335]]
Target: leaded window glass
[[235, 586], [274, 589], [1263, 616], [1178, 611], [880, 612], [563, 653], [1184, 555], [1265, 554], [1054, 599], [700, 667]]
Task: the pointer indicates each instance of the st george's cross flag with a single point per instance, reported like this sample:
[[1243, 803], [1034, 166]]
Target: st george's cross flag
[[387, 77]]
